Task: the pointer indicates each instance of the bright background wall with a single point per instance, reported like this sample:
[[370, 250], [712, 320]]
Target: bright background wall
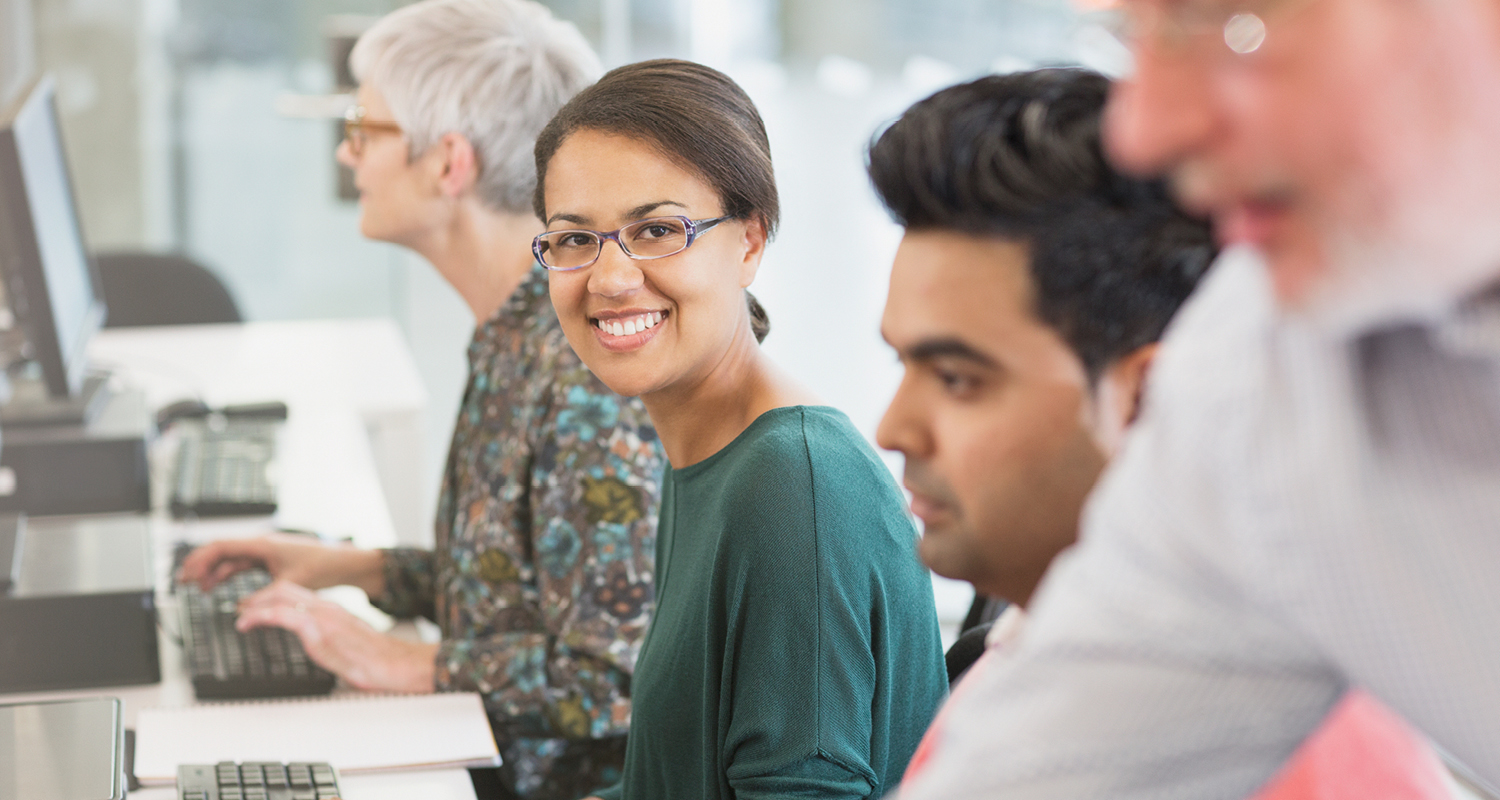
[[175, 115]]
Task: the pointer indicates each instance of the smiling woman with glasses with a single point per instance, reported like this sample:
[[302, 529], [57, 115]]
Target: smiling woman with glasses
[[794, 650]]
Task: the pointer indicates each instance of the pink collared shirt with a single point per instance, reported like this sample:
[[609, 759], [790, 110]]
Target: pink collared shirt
[[1362, 751]]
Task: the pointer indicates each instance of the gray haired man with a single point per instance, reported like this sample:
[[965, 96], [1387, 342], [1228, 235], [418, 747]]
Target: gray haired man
[[1312, 499]]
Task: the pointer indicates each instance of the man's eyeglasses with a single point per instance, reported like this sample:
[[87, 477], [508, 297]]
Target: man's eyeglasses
[[1240, 26], [657, 237], [357, 129]]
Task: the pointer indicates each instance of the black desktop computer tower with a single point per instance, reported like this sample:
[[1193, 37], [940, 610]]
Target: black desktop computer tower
[[82, 610]]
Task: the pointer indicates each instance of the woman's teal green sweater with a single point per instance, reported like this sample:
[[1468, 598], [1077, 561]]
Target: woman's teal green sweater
[[795, 649]]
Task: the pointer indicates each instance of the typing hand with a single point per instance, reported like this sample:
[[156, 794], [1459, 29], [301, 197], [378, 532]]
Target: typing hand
[[298, 559], [341, 642]]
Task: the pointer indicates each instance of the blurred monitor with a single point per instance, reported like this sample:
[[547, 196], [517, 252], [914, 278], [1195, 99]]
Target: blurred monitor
[[53, 285], [62, 750]]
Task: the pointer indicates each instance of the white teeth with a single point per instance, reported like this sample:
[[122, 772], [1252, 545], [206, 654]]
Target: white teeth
[[631, 326]]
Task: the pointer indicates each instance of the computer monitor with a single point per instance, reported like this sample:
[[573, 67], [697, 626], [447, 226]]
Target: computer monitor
[[52, 282], [62, 750]]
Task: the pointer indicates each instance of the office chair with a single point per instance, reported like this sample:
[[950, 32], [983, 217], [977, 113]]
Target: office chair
[[970, 645], [965, 651], [154, 289]]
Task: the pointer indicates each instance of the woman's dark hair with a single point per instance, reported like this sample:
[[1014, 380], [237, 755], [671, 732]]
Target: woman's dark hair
[[694, 115], [1019, 157]]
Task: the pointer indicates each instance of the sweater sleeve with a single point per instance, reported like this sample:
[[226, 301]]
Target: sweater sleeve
[[594, 486], [818, 776], [798, 653]]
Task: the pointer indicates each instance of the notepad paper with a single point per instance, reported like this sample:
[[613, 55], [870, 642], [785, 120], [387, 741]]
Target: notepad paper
[[355, 733]]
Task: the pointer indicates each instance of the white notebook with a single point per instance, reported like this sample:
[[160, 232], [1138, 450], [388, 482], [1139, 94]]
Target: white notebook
[[354, 733]]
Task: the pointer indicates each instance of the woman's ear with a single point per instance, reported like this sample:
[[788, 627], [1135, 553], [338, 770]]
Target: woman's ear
[[753, 247], [460, 165]]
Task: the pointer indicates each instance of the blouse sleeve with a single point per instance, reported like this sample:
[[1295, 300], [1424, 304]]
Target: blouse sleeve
[[408, 584], [594, 489]]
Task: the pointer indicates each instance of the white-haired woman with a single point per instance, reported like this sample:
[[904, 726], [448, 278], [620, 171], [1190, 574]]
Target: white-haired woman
[[541, 575]]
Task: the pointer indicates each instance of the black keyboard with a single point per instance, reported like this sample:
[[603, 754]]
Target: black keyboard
[[226, 664], [257, 781], [224, 467]]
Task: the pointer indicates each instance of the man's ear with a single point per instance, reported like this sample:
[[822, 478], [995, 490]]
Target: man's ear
[[753, 245], [1118, 396], [1134, 369], [460, 165]]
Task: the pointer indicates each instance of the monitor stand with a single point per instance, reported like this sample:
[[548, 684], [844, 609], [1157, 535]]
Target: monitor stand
[[31, 406], [12, 535]]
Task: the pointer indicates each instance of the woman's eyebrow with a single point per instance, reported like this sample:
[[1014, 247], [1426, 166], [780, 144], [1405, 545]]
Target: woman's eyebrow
[[634, 213], [573, 218], [643, 210]]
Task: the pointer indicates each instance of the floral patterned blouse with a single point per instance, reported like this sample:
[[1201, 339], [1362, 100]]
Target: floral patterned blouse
[[541, 579]]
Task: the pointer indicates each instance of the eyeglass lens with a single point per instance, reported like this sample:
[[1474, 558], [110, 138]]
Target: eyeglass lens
[[353, 137], [648, 238]]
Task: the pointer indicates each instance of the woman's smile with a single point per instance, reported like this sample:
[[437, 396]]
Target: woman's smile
[[624, 330]]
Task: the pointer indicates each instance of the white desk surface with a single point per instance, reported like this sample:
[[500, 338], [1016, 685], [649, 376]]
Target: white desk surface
[[356, 378], [336, 377]]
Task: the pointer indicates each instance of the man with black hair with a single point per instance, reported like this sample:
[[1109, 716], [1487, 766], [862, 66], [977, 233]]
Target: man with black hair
[[1026, 301]]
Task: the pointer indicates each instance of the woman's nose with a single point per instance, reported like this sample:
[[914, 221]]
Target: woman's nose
[[614, 273]]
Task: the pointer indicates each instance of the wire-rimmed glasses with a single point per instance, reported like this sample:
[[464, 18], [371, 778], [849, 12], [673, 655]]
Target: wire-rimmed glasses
[[657, 237], [1240, 25], [357, 129]]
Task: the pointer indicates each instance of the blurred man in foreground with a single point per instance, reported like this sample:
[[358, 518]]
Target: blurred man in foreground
[[1310, 501]]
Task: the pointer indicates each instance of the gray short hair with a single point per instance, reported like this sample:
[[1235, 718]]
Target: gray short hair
[[494, 71]]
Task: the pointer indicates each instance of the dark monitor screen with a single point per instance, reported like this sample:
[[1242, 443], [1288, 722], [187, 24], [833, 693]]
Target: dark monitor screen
[[53, 284]]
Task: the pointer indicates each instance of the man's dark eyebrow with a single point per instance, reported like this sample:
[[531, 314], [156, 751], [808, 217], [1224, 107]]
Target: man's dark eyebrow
[[947, 348]]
